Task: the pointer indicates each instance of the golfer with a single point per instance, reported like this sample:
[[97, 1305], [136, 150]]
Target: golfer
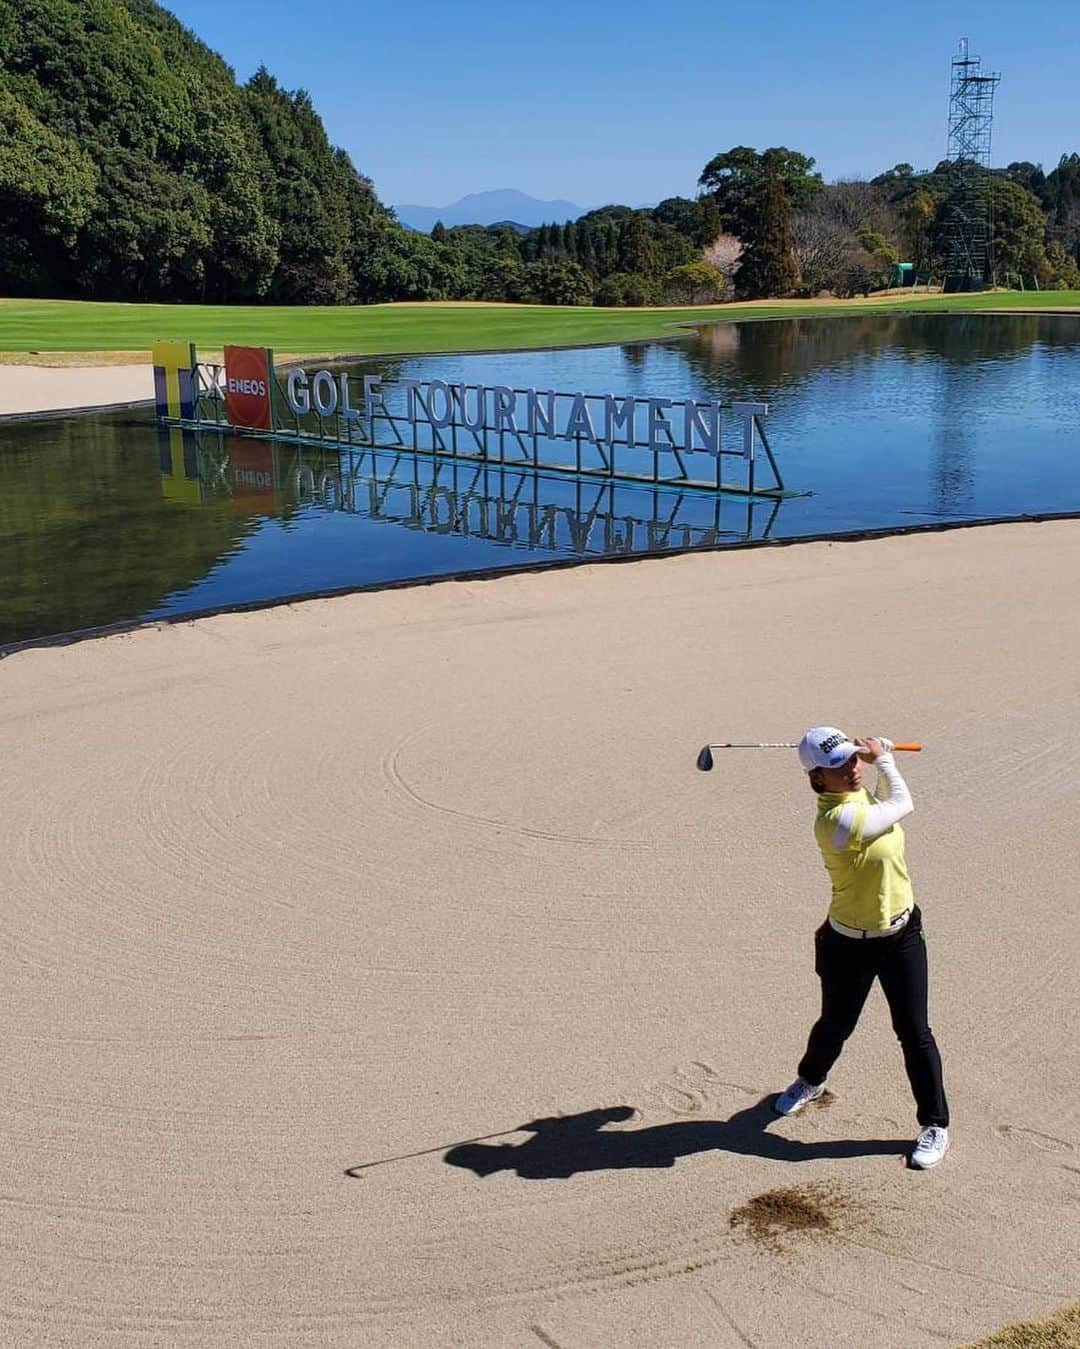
[[873, 929]]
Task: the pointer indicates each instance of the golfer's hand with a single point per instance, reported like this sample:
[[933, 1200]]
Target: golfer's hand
[[872, 748]]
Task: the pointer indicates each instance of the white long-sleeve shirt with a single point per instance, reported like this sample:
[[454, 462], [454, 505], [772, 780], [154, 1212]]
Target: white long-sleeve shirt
[[892, 802]]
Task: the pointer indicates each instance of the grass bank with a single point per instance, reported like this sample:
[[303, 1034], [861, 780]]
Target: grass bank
[[1059, 1330], [51, 326]]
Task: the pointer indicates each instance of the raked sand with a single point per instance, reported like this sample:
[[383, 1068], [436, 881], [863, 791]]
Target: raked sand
[[291, 892], [38, 388]]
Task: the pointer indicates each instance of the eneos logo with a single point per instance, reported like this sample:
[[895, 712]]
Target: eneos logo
[[247, 387]]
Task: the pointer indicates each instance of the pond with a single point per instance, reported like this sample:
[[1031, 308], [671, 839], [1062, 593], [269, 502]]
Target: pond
[[886, 422]]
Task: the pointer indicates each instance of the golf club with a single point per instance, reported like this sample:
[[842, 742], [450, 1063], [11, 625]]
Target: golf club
[[705, 758]]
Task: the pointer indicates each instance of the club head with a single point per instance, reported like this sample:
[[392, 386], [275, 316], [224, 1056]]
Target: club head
[[704, 759]]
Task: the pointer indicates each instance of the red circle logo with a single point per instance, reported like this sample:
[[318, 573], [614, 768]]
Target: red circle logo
[[247, 387]]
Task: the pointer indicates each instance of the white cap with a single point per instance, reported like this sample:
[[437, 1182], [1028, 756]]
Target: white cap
[[825, 747]]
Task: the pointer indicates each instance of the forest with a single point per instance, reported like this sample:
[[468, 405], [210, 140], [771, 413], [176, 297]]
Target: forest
[[134, 166]]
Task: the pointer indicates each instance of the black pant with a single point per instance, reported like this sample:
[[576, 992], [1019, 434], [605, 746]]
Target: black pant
[[847, 967]]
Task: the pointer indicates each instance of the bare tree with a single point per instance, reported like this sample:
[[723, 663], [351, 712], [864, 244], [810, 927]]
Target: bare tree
[[861, 206], [844, 241], [821, 246]]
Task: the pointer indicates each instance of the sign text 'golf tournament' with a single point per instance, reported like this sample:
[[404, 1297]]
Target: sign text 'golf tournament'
[[601, 419]]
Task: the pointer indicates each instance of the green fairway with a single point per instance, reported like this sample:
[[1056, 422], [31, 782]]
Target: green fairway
[[74, 326]]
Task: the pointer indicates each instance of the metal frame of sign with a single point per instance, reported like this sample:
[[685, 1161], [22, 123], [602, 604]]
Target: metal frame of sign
[[658, 462]]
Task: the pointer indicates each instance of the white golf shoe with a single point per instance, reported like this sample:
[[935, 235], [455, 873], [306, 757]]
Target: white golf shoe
[[930, 1146], [790, 1102]]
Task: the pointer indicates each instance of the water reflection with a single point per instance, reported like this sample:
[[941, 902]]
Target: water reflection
[[494, 503], [888, 420], [764, 358], [88, 536]]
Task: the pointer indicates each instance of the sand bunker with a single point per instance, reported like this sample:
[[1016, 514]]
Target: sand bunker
[[32, 388], [383, 878]]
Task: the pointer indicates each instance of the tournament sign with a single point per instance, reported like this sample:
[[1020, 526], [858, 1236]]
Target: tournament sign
[[248, 385], [620, 437]]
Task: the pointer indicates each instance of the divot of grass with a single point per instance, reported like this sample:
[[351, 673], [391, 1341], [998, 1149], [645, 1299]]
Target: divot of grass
[[816, 1208]]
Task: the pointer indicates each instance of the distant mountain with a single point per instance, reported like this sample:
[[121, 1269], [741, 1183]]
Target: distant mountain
[[490, 208]]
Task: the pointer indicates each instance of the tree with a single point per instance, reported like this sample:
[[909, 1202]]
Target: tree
[[1062, 201], [768, 266], [1064, 271], [736, 178], [917, 222], [141, 169], [695, 283], [698, 219], [821, 243], [1018, 233], [553, 283], [48, 188], [1028, 175], [150, 236], [586, 247], [624, 288], [898, 175], [724, 253], [307, 188], [681, 213], [635, 245], [710, 223]]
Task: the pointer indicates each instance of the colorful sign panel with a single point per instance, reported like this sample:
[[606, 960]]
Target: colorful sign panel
[[174, 380], [248, 387]]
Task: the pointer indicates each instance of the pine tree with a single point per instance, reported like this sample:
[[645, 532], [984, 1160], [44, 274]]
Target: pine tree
[[768, 266], [586, 246], [635, 246], [610, 254]]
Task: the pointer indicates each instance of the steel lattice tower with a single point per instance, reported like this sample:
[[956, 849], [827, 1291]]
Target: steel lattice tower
[[969, 260]]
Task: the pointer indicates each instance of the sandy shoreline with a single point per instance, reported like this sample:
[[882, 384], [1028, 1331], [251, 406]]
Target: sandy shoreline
[[292, 891]]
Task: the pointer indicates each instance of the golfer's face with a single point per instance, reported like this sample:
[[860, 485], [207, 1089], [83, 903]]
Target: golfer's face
[[846, 778]]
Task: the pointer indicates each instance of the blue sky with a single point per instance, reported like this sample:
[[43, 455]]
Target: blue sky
[[598, 101]]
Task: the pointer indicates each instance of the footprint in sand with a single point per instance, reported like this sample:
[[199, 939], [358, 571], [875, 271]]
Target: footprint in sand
[[692, 1086], [1032, 1138]]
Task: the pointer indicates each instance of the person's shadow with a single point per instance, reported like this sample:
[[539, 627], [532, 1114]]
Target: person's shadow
[[564, 1145]]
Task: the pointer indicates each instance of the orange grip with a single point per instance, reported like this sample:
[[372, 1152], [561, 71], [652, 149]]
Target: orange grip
[[908, 744]]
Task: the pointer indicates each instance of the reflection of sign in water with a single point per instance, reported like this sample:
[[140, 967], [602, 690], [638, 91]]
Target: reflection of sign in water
[[514, 507], [248, 387], [527, 510], [251, 468], [179, 462]]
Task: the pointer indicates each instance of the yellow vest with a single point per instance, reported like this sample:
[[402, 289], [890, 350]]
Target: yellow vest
[[870, 882]]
